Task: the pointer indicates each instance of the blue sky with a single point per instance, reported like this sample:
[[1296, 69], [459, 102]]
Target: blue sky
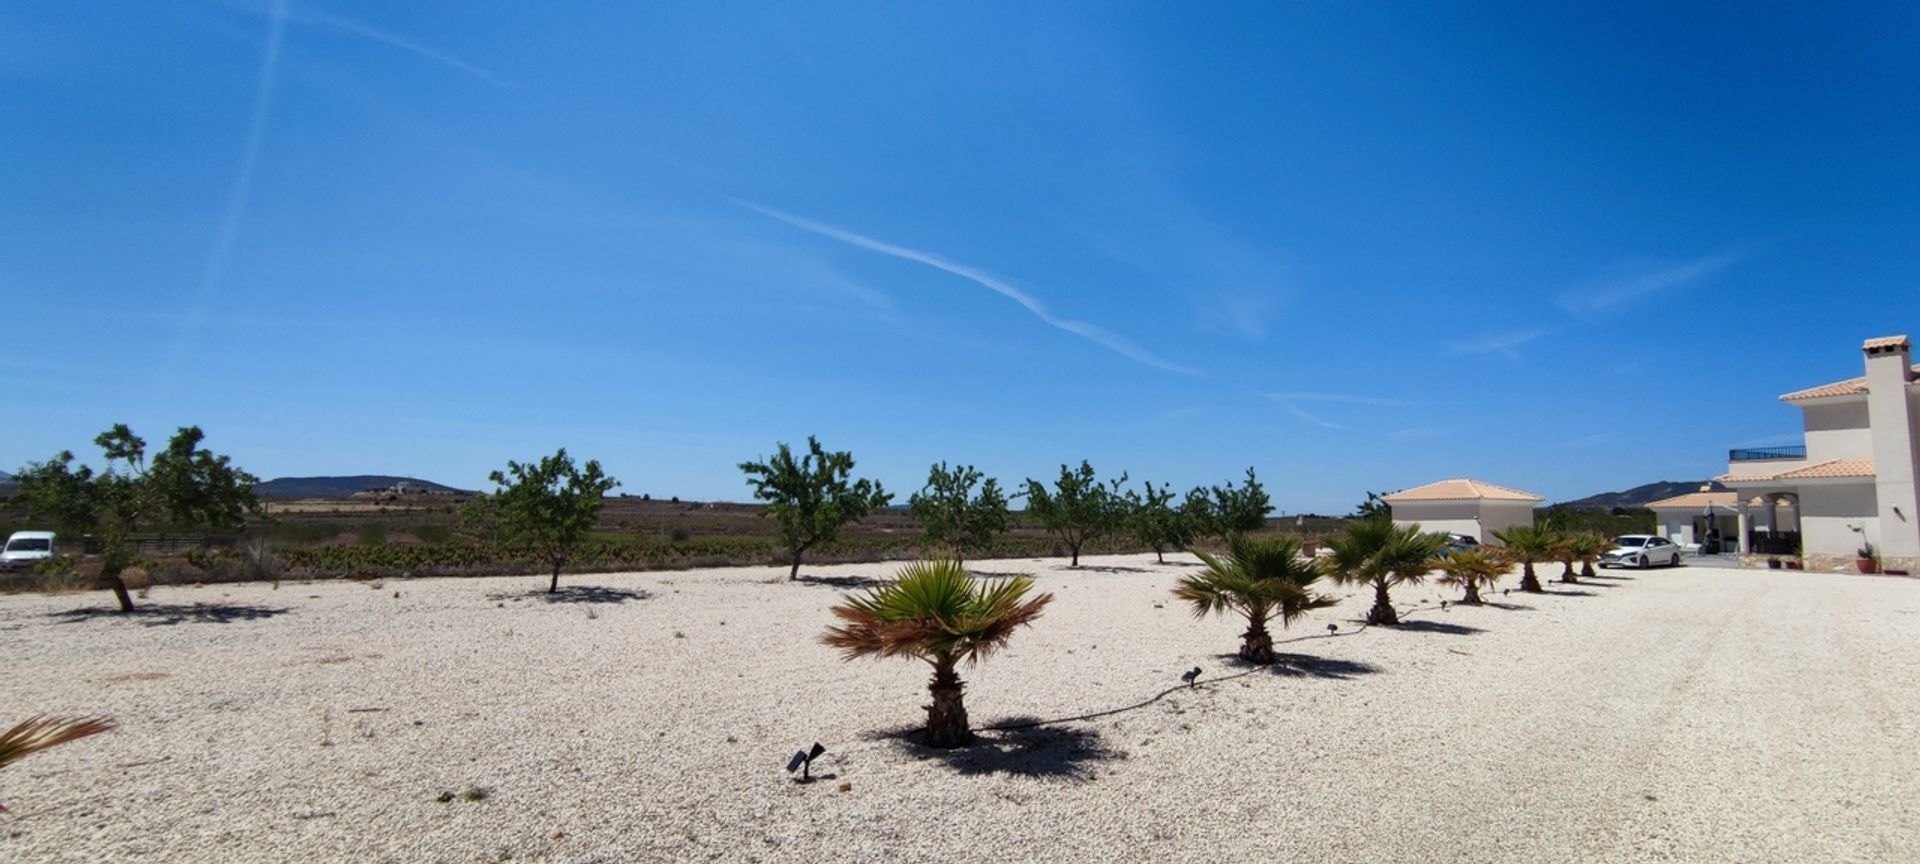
[[1358, 246]]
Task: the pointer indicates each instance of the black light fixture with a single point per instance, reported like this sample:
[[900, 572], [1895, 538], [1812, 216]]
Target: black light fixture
[[803, 762], [1333, 628], [1443, 605], [1190, 676]]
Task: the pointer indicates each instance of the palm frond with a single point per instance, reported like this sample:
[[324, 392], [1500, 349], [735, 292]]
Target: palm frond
[[40, 732], [934, 610]]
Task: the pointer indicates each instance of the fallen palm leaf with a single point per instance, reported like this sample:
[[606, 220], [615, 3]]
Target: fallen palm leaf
[[41, 732]]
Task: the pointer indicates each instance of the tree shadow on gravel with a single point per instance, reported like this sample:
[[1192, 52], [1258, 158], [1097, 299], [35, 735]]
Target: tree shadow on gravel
[[1104, 568], [1608, 577], [1309, 666], [1563, 593], [840, 581], [997, 574], [1067, 753], [1437, 627], [594, 594], [169, 614]]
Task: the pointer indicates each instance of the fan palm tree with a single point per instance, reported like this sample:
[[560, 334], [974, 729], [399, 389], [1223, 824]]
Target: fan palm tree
[[1527, 544], [1260, 580], [40, 732], [1471, 570], [1563, 552], [935, 612], [1588, 546], [1381, 554]]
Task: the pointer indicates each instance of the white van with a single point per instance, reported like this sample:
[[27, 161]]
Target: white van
[[25, 548]]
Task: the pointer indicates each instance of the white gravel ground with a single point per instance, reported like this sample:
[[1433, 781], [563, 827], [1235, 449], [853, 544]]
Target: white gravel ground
[[1682, 715]]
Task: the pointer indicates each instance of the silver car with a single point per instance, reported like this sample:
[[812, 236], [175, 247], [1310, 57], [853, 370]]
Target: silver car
[[1643, 551]]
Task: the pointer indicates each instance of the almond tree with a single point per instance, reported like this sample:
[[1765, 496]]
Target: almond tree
[[547, 509], [184, 485], [1079, 509], [813, 497], [954, 515], [1156, 523]]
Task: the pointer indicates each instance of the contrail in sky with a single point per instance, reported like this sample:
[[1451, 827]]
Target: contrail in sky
[[1090, 332]]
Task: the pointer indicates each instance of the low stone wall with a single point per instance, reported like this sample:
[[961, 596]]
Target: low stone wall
[[1835, 563]]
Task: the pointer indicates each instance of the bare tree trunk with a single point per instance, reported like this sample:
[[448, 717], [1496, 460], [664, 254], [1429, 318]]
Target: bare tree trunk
[[1473, 593], [1076, 555], [1160, 554], [1566, 573], [1382, 612], [119, 587], [794, 572], [1256, 646], [554, 585], [1586, 569], [947, 715]]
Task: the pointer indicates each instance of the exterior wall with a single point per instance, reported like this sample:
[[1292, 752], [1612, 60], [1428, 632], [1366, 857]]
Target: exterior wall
[[1501, 515], [1837, 431], [1896, 460], [1830, 513], [1457, 517], [1676, 525]]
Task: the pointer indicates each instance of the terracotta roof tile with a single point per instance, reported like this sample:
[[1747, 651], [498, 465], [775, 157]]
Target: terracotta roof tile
[[1697, 500], [1460, 489], [1849, 387], [1834, 469]]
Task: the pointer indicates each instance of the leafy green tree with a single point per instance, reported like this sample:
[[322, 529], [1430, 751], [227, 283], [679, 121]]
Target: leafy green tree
[[1198, 513], [937, 613], [1378, 553], [1079, 509], [546, 509], [1471, 570], [1240, 510], [1259, 580], [813, 497], [1527, 544], [954, 515], [1375, 507], [184, 485], [1156, 523]]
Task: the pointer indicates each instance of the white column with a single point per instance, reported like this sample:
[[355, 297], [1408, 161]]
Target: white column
[[1746, 527]]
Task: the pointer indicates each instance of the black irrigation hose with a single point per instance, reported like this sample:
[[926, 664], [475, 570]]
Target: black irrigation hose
[[1032, 724]]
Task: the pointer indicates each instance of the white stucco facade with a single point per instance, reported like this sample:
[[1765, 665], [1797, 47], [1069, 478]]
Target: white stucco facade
[[1856, 481]]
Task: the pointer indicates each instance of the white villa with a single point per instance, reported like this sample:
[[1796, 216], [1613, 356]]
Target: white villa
[[1696, 518], [1852, 483], [1461, 506]]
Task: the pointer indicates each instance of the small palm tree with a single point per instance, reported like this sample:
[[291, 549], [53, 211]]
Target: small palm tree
[[1563, 552], [40, 732], [1260, 580], [1588, 546], [1471, 570], [1379, 553], [935, 612], [1527, 544]]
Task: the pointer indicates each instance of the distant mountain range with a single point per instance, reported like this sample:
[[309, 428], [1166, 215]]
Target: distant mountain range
[[337, 487], [1641, 496]]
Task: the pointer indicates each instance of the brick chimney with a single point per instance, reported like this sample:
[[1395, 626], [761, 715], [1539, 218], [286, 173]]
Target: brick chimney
[[1896, 459]]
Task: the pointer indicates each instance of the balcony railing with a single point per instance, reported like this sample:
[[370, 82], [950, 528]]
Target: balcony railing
[[1758, 454]]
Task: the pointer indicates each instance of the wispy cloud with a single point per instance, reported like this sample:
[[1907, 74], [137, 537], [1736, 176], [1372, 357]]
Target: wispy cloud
[[1605, 293], [1308, 416], [1504, 344], [239, 194], [368, 31], [1593, 440], [1090, 332], [1347, 398]]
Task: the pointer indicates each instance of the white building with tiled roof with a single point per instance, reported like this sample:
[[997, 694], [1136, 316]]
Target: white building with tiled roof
[[1461, 506], [1853, 482]]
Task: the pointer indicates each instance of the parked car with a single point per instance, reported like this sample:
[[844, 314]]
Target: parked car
[[25, 548], [1460, 543], [1641, 550]]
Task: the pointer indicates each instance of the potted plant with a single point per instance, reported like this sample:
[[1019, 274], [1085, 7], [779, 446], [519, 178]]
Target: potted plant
[[1773, 562], [1869, 560], [1795, 564]]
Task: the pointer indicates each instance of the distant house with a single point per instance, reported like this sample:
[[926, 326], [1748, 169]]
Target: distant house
[[1852, 482], [1461, 506]]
